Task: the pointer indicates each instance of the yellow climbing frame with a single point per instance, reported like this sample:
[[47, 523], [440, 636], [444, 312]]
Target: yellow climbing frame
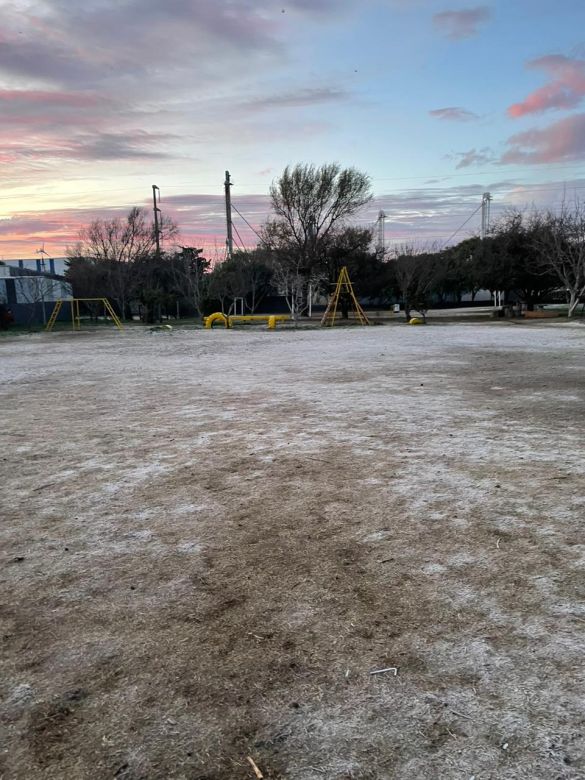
[[75, 313], [343, 287]]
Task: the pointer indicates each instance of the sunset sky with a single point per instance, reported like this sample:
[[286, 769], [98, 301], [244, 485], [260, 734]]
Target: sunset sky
[[437, 100]]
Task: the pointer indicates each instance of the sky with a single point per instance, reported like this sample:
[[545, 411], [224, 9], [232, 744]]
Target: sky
[[437, 100]]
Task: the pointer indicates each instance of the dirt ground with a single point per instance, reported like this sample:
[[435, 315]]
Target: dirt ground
[[211, 539]]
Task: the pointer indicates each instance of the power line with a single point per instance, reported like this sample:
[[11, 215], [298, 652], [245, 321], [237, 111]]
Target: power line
[[242, 247], [463, 225], [246, 221]]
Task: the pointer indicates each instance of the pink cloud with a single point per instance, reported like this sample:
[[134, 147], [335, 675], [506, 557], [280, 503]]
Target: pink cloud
[[461, 24], [563, 141], [454, 114], [565, 91]]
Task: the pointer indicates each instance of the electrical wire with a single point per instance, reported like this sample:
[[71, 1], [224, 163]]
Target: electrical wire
[[241, 246], [246, 221], [463, 225]]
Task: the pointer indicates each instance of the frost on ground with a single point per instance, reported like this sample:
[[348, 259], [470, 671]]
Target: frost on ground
[[210, 539]]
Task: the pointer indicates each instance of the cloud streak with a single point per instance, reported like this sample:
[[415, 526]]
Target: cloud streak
[[457, 25], [300, 98], [453, 114]]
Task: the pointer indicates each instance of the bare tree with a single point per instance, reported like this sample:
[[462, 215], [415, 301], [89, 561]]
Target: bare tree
[[560, 241], [416, 275], [310, 203], [118, 244], [220, 285], [190, 272], [251, 277], [39, 292]]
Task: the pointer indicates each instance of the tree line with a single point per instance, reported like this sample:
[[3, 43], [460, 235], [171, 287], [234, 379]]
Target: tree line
[[529, 258]]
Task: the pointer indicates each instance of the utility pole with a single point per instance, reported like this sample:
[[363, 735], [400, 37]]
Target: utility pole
[[42, 269], [156, 210], [486, 202], [228, 215], [381, 241]]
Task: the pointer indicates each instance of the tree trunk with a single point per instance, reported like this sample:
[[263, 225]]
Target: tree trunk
[[573, 302]]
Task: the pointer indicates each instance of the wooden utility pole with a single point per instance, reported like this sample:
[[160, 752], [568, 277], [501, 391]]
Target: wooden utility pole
[[228, 215], [156, 210]]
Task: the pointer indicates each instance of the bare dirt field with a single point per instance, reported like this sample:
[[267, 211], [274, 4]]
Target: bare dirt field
[[211, 539]]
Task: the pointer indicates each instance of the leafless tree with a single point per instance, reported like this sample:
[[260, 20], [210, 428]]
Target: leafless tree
[[560, 241], [118, 243], [39, 292], [190, 271], [310, 203], [416, 274]]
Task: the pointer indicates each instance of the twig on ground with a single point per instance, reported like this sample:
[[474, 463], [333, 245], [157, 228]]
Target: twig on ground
[[461, 715], [254, 766], [498, 542], [383, 671]]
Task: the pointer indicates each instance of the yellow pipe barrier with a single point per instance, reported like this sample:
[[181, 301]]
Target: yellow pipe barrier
[[227, 321], [217, 317]]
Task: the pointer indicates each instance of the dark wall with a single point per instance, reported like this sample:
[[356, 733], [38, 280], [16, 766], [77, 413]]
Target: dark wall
[[28, 314]]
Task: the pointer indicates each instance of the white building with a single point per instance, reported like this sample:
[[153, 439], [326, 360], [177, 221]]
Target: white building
[[31, 295]]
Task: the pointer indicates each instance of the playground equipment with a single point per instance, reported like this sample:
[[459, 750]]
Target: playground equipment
[[343, 287], [416, 321], [75, 314], [227, 320]]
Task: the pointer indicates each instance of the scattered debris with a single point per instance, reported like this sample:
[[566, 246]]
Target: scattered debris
[[18, 559], [498, 542], [158, 328], [256, 636], [389, 669], [254, 766], [505, 746], [461, 715]]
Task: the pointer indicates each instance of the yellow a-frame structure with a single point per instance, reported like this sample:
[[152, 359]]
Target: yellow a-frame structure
[[75, 315], [343, 287]]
